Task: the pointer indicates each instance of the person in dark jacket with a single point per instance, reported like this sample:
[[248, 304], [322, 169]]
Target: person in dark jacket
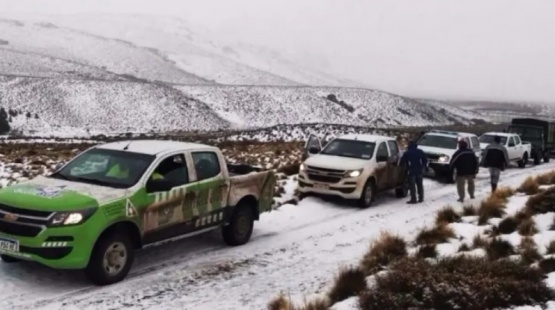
[[496, 158], [415, 160], [466, 164]]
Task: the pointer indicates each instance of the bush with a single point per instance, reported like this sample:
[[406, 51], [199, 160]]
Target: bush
[[456, 283], [479, 242], [503, 193], [547, 265], [447, 215], [497, 248], [527, 227], [530, 186], [507, 226], [386, 249], [547, 178], [551, 247], [4, 124], [427, 251], [280, 303], [435, 235], [542, 203], [490, 208], [350, 282], [528, 251], [469, 210]]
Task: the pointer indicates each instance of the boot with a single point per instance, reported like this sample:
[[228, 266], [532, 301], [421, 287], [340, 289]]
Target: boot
[[493, 187]]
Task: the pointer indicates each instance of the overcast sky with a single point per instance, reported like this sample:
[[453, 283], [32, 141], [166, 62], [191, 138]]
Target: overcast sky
[[471, 49]]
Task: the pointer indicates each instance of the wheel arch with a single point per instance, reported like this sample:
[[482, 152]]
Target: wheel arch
[[128, 227], [252, 203]]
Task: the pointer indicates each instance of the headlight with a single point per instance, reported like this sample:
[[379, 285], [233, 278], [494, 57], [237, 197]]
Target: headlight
[[302, 167], [71, 217], [444, 159], [353, 173]]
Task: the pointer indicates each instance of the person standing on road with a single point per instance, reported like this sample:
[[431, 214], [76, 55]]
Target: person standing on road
[[496, 158], [415, 160], [466, 164]]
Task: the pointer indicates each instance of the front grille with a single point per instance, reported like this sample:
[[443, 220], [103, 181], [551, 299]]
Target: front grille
[[433, 156], [323, 178], [18, 229], [330, 171]]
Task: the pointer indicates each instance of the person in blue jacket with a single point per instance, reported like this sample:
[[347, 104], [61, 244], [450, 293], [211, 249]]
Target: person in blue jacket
[[416, 162]]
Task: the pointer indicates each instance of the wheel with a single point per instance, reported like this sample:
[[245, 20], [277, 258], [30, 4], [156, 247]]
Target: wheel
[[241, 224], [403, 191], [522, 163], [368, 195], [451, 177], [537, 159], [546, 158], [9, 259], [111, 259], [302, 196]]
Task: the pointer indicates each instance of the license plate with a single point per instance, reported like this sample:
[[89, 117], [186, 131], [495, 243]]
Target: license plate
[[9, 245], [321, 186]]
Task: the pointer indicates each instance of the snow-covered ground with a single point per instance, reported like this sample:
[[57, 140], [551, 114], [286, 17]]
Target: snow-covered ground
[[296, 249]]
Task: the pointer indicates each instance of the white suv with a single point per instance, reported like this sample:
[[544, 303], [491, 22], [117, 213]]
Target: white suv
[[353, 167], [440, 145]]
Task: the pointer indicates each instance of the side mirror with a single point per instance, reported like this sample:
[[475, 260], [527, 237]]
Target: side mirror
[[153, 186], [381, 158], [313, 150]]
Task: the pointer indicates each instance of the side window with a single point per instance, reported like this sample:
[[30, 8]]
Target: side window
[[207, 165], [517, 139], [475, 143], [382, 150], [393, 147], [172, 169], [512, 141]]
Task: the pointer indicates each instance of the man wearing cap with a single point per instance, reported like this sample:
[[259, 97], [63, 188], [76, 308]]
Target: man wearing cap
[[415, 160], [466, 164], [496, 158]]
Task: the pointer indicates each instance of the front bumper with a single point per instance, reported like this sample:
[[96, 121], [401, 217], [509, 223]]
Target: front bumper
[[347, 188], [56, 247]]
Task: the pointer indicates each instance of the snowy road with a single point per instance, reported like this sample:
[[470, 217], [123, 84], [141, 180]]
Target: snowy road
[[296, 249]]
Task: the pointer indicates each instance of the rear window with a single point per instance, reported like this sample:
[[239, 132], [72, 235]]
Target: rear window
[[443, 142], [491, 138]]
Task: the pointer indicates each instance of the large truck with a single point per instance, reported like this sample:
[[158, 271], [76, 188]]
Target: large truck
[[540, 133]]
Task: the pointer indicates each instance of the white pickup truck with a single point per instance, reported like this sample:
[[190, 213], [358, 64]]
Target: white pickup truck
[[354, 167], [518, 151]]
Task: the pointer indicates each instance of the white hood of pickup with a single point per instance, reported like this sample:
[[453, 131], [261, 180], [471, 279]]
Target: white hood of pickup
[[336, 162], [437, 150]]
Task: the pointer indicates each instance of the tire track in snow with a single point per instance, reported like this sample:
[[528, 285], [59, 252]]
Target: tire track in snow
[[384, 208]]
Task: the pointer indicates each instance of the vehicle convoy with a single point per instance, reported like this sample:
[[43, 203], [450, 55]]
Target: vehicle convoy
[[539, 133], [112, 199], [440, 145], [518, 151], [354, 167]]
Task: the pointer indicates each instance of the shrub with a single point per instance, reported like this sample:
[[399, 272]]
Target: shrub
[[315, 304], [350, 282], [456, 283], [447, 215], [469, 210], [290, 169], [547, 178], [542, 203], [503, 193], [435, 235], [547, 265], [382, 252], [507, 226], [551, 247], [280, 303], [464, 248], [479, 242], [528, 251], [490, 208], [427, 251], [497, 248], [4, 124], [530, 186], [527, 227]]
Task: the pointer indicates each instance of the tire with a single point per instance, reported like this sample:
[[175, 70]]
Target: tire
[[450, 177], [403, 191], [368, 195], [537, 159], [119, 248], [302, 196], [8, 259], [546, 158], [240, 227], [522, 163]]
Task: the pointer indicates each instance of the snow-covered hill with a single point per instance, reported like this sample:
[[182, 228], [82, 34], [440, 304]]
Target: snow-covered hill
[[75, 105]]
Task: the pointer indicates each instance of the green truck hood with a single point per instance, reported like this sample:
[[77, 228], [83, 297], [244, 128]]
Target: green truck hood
[[49, 194]]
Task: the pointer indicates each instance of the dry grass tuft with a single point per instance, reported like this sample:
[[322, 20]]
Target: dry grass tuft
[[542, 203], [280, 303], [547, 178], [464, 248], [456, 283], [490, 208], [479, 242], [447, 215], [384, 250], [498, 248], [528, 251], [503, 193], [547, 265], [527, 227], [551, 247], [349, 282], [315, 304], [530, 186], [435, 235], [469, 210], [507, 226], [427, 251]]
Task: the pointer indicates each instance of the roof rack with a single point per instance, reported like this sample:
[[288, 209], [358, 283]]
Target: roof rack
[[445, 132]]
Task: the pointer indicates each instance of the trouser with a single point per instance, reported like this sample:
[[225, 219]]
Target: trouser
[[461, 182], [494, 174], [415, 183]]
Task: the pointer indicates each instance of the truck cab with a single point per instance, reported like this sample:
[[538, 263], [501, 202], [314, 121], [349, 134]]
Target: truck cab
[[518, 151], [112, 199], [540, 133], [440, 145], [354, 167]]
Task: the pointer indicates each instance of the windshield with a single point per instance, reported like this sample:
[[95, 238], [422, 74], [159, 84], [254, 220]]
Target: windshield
[[531, 134], [491, 139], [442, 142], [350, 148], [112, 168]]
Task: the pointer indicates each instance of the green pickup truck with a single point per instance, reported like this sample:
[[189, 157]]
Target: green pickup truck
[[93, 212]]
